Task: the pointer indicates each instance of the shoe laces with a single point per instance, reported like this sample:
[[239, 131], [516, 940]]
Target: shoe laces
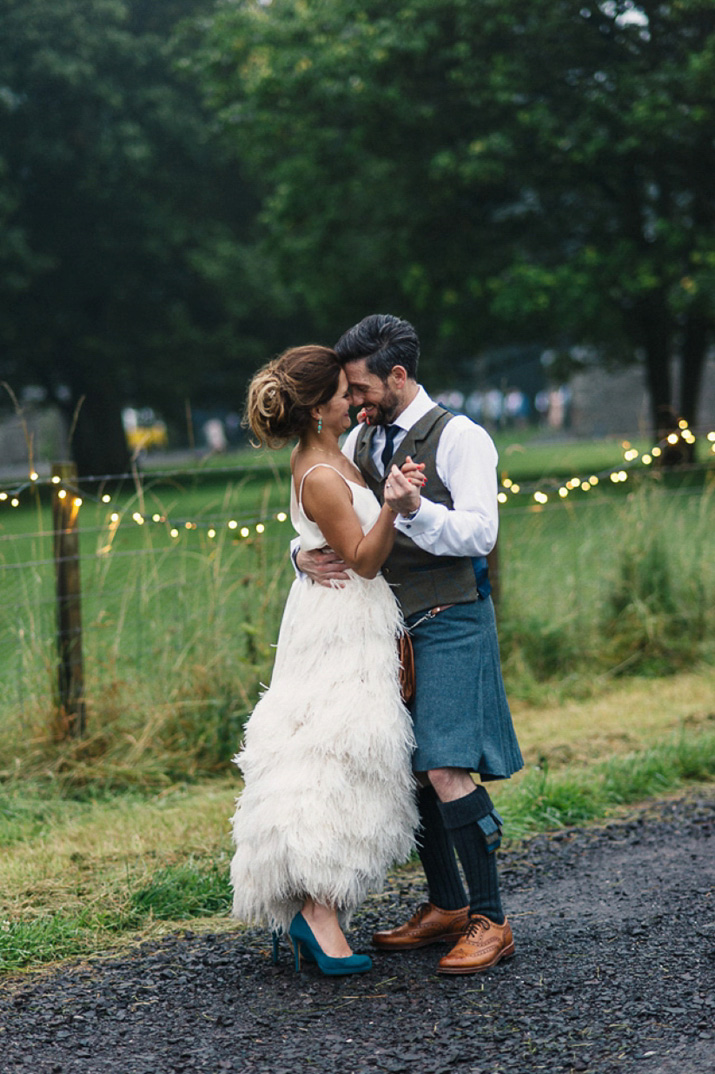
[[422, 910], [475, 924]]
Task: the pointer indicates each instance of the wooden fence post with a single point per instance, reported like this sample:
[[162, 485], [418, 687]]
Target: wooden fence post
[[65, 509]]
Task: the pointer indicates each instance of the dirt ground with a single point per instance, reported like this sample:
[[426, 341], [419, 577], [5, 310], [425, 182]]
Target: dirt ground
[[614, 931]]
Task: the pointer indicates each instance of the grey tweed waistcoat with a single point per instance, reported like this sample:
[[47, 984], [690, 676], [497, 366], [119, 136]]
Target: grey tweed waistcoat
[[421, 581]]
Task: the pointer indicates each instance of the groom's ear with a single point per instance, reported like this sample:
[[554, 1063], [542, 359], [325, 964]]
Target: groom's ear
[[398, 373]]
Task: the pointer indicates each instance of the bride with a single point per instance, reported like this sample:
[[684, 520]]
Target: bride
[[328, 802]]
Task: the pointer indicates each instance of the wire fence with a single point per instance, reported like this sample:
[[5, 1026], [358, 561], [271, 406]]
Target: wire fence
[[182, 575]]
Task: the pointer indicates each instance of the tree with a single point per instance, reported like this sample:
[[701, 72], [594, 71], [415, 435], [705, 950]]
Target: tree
[[497, 169], [125, 267]]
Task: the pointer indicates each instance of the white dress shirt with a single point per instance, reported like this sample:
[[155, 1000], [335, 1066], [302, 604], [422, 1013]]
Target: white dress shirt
[[466, 464]]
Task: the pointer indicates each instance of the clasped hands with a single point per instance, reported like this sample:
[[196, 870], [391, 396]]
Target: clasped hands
[[402, 495]]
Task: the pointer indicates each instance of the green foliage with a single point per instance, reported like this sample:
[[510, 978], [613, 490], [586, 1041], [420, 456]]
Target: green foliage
[[175, 893], [494, 169], [123, 255], [544, 800], [184, 891], [606, 589]]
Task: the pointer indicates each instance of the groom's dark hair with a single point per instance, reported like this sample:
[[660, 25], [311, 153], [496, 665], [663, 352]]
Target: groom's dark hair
[[383, 341]]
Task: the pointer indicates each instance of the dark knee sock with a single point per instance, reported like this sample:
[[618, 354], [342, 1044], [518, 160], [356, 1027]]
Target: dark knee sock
[[475, 833], [436, 852]]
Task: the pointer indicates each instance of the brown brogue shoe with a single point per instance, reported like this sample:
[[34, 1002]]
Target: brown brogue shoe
[[482, 945], [428, 925]]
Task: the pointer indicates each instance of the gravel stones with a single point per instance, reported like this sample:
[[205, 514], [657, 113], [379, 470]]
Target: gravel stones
[[614, 930]]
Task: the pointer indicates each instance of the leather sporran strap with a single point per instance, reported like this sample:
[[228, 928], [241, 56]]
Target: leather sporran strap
[[407, 667]]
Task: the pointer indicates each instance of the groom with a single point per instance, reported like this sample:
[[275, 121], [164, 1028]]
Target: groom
[[438, 570]]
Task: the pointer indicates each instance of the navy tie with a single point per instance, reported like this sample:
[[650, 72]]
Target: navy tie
[[388, 451]]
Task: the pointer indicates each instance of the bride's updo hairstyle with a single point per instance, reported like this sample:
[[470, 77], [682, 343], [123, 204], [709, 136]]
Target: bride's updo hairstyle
[[283, 393]]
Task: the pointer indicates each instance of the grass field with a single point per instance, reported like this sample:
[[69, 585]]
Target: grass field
[[607, 627], [82, 877]]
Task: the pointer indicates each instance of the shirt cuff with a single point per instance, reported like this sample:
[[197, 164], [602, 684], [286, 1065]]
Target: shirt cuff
[[429, 518], [294, 550]]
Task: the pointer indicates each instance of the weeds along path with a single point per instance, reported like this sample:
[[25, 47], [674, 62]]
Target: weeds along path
[[614, 932]]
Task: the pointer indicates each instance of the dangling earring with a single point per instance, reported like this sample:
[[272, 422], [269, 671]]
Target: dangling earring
[[320, 425]]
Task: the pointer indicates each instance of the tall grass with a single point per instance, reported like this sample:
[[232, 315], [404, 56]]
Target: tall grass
[[179, 632], [626, 586]]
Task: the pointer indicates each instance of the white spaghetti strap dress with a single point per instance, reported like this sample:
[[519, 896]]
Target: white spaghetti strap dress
[[328, 803]]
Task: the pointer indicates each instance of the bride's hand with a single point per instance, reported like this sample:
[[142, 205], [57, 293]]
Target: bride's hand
[[401, 493], [414, 472]]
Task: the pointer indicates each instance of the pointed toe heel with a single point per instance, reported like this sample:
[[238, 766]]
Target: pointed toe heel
[[305, 944]]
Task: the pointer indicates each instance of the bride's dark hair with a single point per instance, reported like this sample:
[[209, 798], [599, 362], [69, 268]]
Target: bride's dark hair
[[283, 393]]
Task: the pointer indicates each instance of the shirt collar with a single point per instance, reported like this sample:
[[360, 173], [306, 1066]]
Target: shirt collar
[[420, 405]]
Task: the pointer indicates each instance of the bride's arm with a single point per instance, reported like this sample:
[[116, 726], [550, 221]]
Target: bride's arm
[[326, 499]]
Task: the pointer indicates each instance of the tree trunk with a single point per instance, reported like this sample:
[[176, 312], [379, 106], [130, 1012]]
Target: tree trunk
[[656, 342], [692, 363], [98, 444]]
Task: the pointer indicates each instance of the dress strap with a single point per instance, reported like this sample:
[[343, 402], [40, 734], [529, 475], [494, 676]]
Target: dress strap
[[309, 471]]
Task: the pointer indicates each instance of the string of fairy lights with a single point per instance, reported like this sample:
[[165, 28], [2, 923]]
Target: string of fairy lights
[[538, 492]]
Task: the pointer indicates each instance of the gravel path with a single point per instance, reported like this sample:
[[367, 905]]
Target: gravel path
[[614, 931]]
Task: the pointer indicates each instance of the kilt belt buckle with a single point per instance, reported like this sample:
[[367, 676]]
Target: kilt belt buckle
[[431, 614]]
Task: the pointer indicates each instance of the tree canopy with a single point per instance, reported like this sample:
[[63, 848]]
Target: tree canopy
[[495, 169], [188, 186], [125, 265]]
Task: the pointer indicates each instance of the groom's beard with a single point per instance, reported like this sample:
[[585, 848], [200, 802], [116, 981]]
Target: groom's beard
[[385, 410]]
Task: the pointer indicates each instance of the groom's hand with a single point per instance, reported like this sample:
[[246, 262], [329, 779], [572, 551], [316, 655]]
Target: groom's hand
[[414, 471], [322, 565]]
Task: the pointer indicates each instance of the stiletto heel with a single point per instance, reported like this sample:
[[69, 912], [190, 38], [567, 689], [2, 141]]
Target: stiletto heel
[[304, 941], [275, 937]]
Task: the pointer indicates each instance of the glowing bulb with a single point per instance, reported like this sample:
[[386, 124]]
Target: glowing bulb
[[174, 532], [260, 528], [711, 436], [245, 531], [212, 533], [187, 525], [656, 452], [114, 516], [585, 485], [55, 480], [233, 525], [3, 495], [106, 498], [34, 475], [502, 497], [647, 460], [78, 501], [615, 478], [593, 479], [14, 502], [515, 488], [61, 494], [541, 497], [623, 476], [563, 492], [138, 518], [673, 438], [507, 482], [682, 424], [281, 516], [156, 518]]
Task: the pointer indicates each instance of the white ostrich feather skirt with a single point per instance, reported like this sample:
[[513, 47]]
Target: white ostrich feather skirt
[[328, 803]]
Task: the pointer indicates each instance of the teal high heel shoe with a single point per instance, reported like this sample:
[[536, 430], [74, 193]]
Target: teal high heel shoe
[[303, 939], [275, 953]]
